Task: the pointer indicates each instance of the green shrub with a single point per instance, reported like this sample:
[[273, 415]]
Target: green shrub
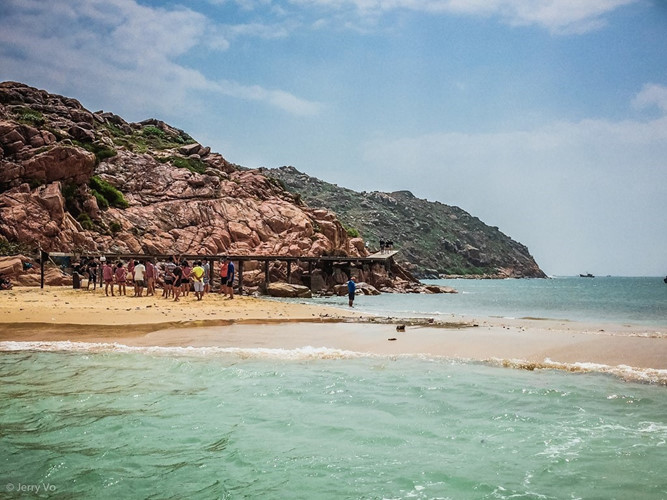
[[69, 192], [85, 221], [101, 151], [115, 227], [152, 130], [14, 248], [352, 232], [102, 202], [192, 164], [30, 116], [102, 189]]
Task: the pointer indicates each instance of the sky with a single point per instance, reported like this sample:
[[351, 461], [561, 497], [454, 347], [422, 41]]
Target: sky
[[545, 118]]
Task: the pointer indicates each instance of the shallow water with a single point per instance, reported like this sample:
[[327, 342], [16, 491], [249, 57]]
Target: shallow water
[[137, 424], [641, 301]]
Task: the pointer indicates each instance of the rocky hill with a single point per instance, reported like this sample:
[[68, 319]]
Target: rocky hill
[[433, 238], [74, 180], [77, 181], [84, 182]]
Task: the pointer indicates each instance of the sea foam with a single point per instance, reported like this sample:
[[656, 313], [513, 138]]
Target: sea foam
[[628, 373]]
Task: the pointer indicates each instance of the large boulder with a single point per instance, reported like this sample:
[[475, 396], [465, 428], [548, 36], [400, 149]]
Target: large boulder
[[288, 290], [10, 266], [439, 289], [38, 217], [60, 163], [362, 288]]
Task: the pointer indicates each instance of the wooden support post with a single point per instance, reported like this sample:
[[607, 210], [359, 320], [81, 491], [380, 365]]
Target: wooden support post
[[210, 274], [289, 270], [42, 257], [310, 274], [267, 278], [240, 277]]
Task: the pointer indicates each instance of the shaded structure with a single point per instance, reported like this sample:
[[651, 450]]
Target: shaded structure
[[324, 263]]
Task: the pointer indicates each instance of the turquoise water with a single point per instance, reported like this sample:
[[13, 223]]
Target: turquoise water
[[104, 423], [108, 421], [607, 299]]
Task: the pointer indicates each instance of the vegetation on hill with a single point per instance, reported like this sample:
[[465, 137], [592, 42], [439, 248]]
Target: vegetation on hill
[[437, 239]]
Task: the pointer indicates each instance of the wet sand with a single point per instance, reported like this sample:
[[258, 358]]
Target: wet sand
[[61, 314]]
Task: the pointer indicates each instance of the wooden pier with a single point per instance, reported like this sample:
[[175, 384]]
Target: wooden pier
[[384, 258]]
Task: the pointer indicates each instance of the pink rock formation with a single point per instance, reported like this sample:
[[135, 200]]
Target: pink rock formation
[[218, 208]]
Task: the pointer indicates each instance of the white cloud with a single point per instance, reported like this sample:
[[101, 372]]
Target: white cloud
[[560, 16], [557, 16], [652, 95], [582, 195], [257, 30], [278, 98], [585, 153], [123, 52]]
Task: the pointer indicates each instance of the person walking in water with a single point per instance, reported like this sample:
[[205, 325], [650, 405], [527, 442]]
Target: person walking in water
[[351, 290]]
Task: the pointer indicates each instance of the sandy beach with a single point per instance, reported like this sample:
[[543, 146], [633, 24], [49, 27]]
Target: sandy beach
[[64, 314]]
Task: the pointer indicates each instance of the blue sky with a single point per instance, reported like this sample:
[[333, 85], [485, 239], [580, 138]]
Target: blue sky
[[546, 118]]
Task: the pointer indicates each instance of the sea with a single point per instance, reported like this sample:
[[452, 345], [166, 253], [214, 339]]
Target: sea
[[84, 420]]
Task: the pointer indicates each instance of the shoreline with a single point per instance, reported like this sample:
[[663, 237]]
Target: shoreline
[[55, 315]]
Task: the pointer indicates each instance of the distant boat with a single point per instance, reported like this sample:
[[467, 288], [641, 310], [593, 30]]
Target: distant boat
[[589, 275]]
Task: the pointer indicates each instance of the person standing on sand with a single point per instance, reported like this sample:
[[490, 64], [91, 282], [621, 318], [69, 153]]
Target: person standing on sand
[[185, 278], [224, 265], [207, 276], [121, 278], [107, 276], [230, 278], [351, 290], [177, 273], [139, 278], [130, 275], [151, 272], [169, 277], [92, 275], [198, 277]]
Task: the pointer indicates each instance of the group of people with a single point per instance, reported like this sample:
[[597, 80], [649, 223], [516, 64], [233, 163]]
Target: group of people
[[139, 274], [177, 278], [386, 246]]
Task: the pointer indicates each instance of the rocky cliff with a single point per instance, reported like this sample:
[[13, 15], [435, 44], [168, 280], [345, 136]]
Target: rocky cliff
[[433, 238], [77, 181], [72, 180]]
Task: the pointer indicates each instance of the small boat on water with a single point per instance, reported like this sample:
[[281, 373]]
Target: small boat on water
[[589, 275]]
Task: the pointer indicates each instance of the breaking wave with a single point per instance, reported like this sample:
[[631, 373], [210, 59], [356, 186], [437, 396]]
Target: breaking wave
[[628, 373]]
